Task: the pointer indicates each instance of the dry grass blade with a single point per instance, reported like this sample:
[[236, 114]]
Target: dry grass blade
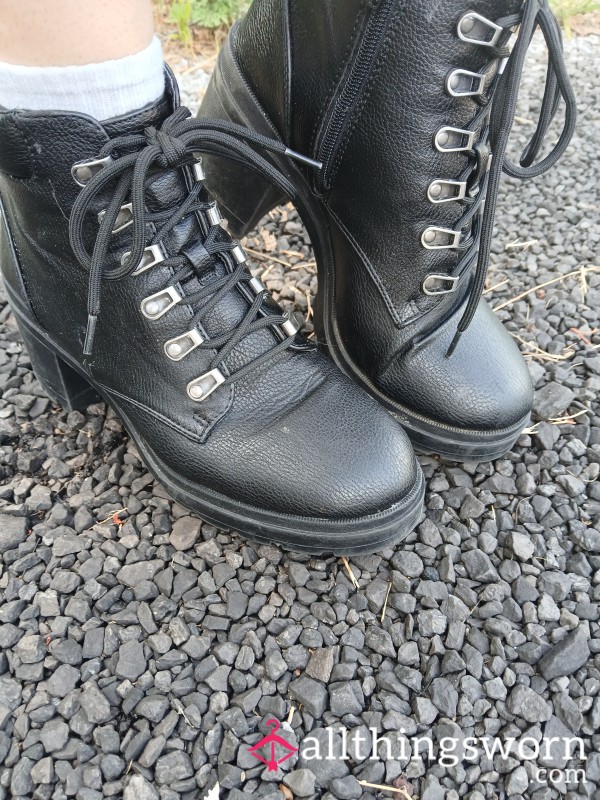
[[290, 715], [495, 286], [113, 517], [309, 308], [268, 257], [518, 244], [581, 271], [351, 575], [537, 352], [568, 418], [584, 283], [398, 792], [387, 594], [547, 356], [178, 707]]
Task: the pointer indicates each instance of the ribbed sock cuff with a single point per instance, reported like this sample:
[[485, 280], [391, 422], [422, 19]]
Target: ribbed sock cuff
[[105, 90]]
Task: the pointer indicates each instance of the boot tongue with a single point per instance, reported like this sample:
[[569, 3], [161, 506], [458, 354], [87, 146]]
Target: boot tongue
[[135, 122], [150, 115], [165, 192]]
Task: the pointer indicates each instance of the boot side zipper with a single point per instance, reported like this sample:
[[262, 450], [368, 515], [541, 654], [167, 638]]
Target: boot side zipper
[[340, 110]]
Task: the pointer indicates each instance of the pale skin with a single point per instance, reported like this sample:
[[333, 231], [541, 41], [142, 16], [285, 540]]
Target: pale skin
[[63, 33]]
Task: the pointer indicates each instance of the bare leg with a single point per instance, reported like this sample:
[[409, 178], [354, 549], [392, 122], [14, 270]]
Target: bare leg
[[61, 33]]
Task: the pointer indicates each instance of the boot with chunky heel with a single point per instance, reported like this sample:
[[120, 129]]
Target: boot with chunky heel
[[403, 105], [61, 382], [126, 287]]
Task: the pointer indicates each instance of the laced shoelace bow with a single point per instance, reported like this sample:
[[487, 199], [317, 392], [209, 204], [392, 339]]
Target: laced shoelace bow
[[141, 160], [497, 117]]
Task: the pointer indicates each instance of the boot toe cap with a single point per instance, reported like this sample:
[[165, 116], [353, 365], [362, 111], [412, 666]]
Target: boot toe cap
[[335, 455], [484, 386]]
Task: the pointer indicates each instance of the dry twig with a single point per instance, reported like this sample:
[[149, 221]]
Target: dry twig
[[581, 271], [351, 575]]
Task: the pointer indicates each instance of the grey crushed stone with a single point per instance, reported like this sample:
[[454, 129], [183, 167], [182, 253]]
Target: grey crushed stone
[[566, 657], [141, 661]]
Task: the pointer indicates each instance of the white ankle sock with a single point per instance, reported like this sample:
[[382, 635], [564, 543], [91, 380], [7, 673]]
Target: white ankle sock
[[103, 90]]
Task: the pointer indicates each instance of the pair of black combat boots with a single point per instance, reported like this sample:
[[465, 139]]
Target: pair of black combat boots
[[386, 122]]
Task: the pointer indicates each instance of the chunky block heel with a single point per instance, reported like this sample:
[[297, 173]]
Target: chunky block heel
[[60, 381], [244, 197]]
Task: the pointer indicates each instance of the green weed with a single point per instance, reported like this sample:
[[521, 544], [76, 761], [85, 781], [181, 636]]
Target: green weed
[[211, 14], [565, 10]]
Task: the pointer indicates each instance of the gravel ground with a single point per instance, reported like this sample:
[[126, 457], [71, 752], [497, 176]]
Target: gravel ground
[[142, 651]]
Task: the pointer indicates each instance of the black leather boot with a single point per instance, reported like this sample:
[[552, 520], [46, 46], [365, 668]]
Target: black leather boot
[[126, 287], [402, 104]]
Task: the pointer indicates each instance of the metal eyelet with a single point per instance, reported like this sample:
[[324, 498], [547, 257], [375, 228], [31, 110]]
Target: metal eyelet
[[180, 346], [454, 140], [151, 256], [440, 238], [84, 171], [448, 279], [475, 29], [239, 256], [200, 388], [464, 83], [441, 191], [214, 215], [124, 217], [154, 306]]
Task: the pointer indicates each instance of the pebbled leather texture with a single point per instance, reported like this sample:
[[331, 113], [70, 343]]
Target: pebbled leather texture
[[295, 437], [265, 52], [478, 397], [376, 206], [322, 39]]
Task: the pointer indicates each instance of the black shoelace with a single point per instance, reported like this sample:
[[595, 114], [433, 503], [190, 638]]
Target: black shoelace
[[497, 116], [139, 159]]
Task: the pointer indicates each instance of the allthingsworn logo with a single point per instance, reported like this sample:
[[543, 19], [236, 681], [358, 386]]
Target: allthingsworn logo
[[272, 749]]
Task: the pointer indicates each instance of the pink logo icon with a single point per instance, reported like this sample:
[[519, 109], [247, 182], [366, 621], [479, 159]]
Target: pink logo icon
[[274, 745]]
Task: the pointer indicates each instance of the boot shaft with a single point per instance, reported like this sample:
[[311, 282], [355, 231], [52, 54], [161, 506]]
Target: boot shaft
[[45, 159], [294, 52], [365, 89], [304, 60], [39, 183]]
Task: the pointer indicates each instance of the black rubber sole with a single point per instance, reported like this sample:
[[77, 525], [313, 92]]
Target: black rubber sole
[[245, 199], [63, 380]]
